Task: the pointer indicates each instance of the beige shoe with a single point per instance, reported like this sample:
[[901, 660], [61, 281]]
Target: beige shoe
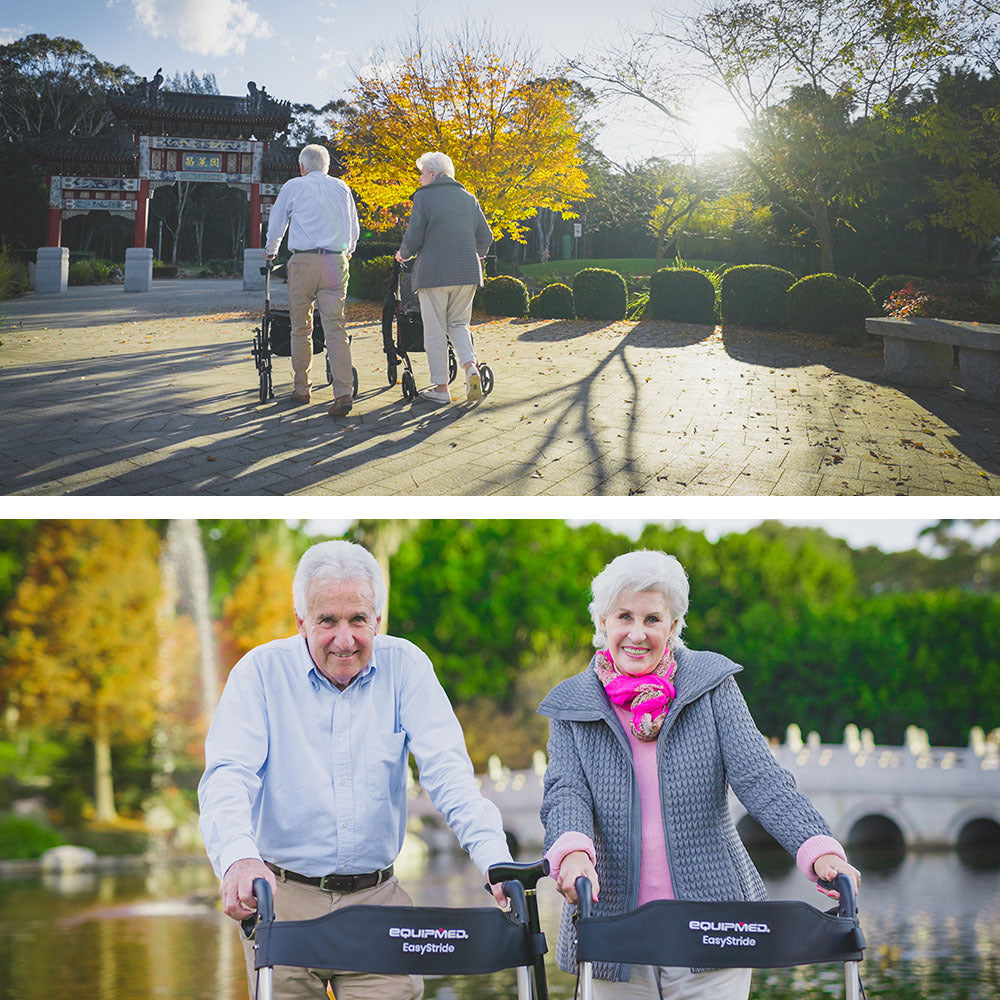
[[342, 405], [296, 399]]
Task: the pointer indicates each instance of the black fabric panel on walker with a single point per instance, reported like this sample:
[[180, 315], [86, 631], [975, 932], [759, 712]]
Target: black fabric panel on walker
[[720, 936], [398, 939], [281, 333]]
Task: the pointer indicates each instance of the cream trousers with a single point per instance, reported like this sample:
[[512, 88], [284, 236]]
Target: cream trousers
[[446, 312], [650, 982], [320, 279]]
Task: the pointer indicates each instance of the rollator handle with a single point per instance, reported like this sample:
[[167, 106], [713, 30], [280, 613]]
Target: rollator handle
[[527, 873], [265, 907], [847, 905], [518, 903], [584, 896]]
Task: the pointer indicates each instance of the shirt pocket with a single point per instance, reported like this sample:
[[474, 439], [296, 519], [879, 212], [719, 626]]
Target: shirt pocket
[[384, 753]]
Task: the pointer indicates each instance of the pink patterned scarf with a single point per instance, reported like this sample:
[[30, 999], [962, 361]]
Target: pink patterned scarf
[[648, 696]]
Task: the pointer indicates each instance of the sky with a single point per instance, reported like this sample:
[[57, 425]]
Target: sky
[[308, 52]]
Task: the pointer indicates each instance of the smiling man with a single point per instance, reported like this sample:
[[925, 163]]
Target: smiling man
[[306, 759]]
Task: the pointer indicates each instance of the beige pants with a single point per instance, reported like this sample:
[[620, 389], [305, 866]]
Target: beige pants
[[320, 279], [650, 982], [295, 901], [446, 313]]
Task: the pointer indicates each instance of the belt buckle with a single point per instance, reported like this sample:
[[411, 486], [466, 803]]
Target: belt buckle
[[378, 876]]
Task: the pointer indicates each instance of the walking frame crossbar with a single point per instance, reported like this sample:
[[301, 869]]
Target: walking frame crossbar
[[722, 935], [397, 940]]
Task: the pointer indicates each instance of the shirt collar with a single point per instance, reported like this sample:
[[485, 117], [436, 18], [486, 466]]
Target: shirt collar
[[316, 678]]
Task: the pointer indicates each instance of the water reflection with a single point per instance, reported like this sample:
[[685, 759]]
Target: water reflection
[[932, 923]]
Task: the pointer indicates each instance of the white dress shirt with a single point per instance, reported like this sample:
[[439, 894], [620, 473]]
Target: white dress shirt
[[319, 213], [314, 779]]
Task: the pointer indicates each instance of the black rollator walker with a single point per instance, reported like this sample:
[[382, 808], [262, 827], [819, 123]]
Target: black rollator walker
[[410, 940], [274, 336], [723, 935], [401, 308]]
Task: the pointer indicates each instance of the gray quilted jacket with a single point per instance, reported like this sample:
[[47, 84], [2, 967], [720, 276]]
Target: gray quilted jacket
[[449, 233], [708, 742]]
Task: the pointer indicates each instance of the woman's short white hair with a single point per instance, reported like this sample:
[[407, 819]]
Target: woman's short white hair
[[315, 157], [644, 569], [337, 561], [437, 163]]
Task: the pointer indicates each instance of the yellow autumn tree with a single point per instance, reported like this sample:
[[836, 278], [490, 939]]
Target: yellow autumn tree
[[259, 607], [513, 136], [81, 643]]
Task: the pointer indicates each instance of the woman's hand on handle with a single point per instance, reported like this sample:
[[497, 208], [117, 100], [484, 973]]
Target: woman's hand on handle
[[574, 865], [829, 866]]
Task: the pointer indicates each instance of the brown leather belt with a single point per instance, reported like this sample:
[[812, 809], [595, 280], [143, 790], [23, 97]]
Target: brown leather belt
[[334, 882]]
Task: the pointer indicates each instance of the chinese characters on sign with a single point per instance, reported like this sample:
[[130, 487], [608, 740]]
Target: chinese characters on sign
[[202, 161]]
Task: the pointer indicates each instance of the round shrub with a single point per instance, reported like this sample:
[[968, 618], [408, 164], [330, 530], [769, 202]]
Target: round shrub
[[599, 294], [90, 271], [829, 304], [505, 296], [754, 295], [369, 279], [552, 302], [26, 837], [882, 288], [682, 294]]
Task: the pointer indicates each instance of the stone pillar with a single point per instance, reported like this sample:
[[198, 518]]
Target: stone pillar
[[253, 261], [139, 269], [52, 270]]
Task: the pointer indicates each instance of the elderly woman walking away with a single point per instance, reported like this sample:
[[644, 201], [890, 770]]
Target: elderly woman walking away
[[643, 747], [448, 234]]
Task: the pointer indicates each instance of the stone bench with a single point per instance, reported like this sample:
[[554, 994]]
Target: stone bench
[[922, 352]]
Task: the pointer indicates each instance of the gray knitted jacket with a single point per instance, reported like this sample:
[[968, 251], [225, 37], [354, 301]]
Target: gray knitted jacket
[[448, 233], [708, 742]]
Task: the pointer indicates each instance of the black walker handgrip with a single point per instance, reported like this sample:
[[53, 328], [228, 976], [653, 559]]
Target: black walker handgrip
[[584, 896], [265, 907], [847, 905], [527, 873], [518, 904]]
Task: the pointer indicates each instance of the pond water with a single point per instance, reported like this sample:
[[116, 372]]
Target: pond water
[[932, 922]]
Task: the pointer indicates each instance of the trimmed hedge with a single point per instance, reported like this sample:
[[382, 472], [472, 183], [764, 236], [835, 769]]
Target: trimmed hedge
[[682, 294], [92, 271], [599, 294], [754, 295], [829, 304], [881, 288], [372, 249], [552, 302], [369, 279], [504, 296]]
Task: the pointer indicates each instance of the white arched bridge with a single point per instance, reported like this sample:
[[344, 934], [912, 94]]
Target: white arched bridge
[[915, 795]]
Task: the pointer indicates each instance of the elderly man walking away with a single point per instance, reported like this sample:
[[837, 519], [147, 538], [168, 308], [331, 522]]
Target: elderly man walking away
[[306, 764], [322, 222], [448, 234]]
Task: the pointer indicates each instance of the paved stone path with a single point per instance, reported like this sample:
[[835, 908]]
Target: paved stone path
[[110, 393]]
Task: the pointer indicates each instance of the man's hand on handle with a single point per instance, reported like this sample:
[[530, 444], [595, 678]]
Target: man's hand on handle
[[238, 900]]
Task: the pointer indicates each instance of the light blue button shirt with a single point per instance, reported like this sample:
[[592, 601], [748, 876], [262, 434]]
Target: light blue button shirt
[[313, 779]]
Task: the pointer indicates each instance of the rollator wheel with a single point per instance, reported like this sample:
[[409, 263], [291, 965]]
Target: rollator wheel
[[391, 371], [452, 364], [354, 376], [486, 377], [409, 386], [329, 371]]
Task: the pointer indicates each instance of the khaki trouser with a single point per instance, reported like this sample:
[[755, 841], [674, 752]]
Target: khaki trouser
[[650, 982], [445, 313], [295, 901], [319, 278]]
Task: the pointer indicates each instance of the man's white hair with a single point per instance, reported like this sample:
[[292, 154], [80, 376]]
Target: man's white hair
[[644, 569], [315, 157], [337, 561], [437, 163]]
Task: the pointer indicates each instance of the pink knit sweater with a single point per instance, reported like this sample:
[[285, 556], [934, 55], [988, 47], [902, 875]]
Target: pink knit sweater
[[654, 871]]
